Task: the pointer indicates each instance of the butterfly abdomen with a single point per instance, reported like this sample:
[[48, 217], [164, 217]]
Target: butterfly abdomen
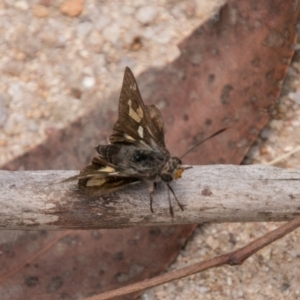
[[109, 152]]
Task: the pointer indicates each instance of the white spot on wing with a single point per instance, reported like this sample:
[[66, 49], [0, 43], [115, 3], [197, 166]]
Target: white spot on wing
[[134, 115], [140, 112], [107, 169], [128, 137], [113, 174], [141, 131], [95, 182], [133, 87]]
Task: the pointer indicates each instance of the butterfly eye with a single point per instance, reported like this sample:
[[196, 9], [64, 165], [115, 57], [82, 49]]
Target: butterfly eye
[[166, 177]]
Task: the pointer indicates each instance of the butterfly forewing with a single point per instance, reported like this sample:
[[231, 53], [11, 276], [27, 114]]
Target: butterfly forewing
[[137, 123]]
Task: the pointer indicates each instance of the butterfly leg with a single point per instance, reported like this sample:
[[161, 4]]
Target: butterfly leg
[[151, 191], [151, 200], [172, 191], [170, 204]]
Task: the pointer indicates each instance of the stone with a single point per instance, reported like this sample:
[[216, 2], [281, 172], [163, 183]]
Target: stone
[[40, 11], [88, 82], [72, 8], [21, 5], [112, 33], [146, 14]]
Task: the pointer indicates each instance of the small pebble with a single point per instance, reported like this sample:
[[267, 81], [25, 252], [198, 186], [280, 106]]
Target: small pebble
[[295, 96], [40, 11], [112, 33], [146, 14], [212, 242], [88, 82], [72, 8], [266, 253], [21, 5], [84, 28], [265, 133]]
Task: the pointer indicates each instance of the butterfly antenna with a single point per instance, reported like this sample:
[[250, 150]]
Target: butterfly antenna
[[216, 133]]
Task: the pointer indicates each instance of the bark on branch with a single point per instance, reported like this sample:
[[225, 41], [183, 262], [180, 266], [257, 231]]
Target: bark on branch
[[214, 193]]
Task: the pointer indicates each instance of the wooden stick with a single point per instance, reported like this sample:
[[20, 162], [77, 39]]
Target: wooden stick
[[214, 193]]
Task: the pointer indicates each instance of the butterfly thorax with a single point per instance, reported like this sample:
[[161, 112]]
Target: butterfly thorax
[[143, 162]]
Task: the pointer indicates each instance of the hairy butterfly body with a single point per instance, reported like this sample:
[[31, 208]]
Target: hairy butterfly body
[[136, 151]]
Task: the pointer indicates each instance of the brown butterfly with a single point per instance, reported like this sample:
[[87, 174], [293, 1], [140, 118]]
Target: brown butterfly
[[136, 151]]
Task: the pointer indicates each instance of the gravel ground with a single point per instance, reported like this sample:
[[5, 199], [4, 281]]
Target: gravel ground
[[51, 61], [54, 53]]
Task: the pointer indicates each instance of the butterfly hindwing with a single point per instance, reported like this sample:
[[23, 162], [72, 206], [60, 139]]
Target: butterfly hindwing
[[102, 177]]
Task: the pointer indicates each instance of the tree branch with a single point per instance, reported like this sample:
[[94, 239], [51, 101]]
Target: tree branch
[[214, 193]]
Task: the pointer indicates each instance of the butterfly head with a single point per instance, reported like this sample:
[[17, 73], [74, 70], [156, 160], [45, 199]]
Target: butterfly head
[[173, 169]]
